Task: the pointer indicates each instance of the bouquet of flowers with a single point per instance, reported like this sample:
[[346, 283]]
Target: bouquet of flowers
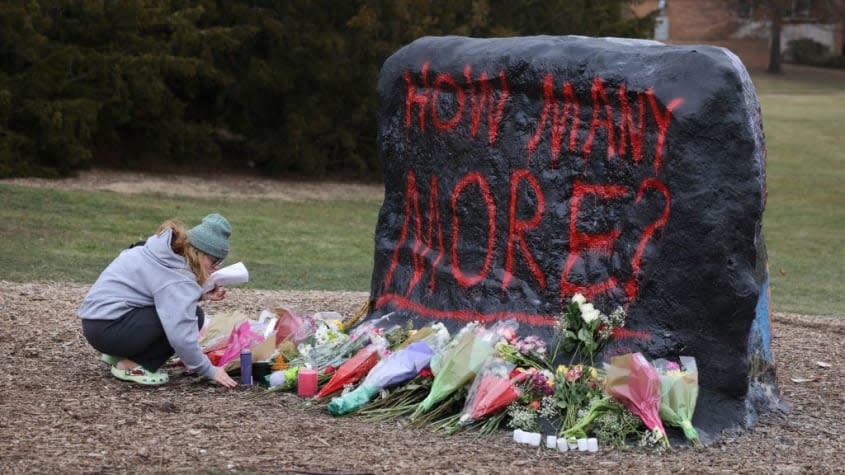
[[435, 335], [678, 394], [491, 391], [529, 351], [292, 327], [352, 370], [242, 337], [615, 425], [410, 358], [439, 359], [536, 401], [459, 366], [327, 346], [575, 389], [583, 329], [399, 367], [634, 382], [597, 408]]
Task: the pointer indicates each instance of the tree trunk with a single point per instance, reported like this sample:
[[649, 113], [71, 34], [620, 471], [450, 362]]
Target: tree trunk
[[774, 44]]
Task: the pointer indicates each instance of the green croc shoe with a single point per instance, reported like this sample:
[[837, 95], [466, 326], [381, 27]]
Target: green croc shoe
[[110, 360], [140, 375]]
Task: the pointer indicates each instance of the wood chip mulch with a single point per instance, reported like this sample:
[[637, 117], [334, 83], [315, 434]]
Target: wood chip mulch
[[62, 412]]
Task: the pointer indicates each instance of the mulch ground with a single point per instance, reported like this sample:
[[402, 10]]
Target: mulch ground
[[62, 412]]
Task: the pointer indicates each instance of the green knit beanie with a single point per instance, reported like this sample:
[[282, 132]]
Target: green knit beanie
[[212, 236]]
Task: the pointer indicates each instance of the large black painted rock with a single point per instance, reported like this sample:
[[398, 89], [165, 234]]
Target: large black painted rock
[[521, 171]]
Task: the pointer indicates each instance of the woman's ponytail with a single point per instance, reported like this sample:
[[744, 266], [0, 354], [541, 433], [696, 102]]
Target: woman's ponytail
[[180, 245]]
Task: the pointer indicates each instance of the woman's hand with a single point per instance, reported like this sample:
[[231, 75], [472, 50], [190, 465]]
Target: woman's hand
[[217, 293], [222, 377]]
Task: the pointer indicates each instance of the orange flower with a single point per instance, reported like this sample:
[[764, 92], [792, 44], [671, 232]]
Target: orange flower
[[280, 363]]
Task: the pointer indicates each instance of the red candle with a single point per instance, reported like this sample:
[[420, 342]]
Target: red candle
[[306, 383]]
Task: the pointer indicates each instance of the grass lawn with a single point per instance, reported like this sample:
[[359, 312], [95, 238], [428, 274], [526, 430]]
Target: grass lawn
[[64, 235], [804, 222]]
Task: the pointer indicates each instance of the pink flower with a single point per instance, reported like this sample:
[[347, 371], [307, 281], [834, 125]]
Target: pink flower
[[507, 333], [574, 373], [531, 344], [543, 382]]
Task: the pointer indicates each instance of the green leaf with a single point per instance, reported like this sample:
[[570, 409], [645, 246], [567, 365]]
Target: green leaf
[[585, 336]]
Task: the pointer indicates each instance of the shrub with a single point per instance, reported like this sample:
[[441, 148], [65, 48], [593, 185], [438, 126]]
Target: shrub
[[807, 51], [836, 62]]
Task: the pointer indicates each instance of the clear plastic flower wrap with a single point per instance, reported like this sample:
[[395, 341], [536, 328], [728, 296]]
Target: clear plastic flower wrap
[[678, 394], [352, 370], [492, 390], [397, 368], [634, 382], [459, 365]]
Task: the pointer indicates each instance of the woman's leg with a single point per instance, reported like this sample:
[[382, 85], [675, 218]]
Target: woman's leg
[[137, 336]]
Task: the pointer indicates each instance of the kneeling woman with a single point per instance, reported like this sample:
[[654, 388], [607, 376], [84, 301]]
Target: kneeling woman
[[143, 307]]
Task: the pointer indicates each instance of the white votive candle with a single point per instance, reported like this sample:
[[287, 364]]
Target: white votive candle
[[562, 445]]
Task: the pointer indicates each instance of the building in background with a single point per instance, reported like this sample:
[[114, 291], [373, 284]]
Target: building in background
[[744, 27]]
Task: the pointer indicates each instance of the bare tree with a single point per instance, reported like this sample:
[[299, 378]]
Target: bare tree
[[776, 10], [772, 11]]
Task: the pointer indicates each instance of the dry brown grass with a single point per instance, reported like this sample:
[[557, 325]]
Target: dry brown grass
[[207, 185]]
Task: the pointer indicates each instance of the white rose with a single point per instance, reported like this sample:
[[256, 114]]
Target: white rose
[[589, 313], [579, 299]]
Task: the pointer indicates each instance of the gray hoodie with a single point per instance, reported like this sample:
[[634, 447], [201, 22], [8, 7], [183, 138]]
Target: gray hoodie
[[153, 275]]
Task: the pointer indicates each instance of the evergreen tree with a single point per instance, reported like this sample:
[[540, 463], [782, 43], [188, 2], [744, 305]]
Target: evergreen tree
[[287, 87]]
